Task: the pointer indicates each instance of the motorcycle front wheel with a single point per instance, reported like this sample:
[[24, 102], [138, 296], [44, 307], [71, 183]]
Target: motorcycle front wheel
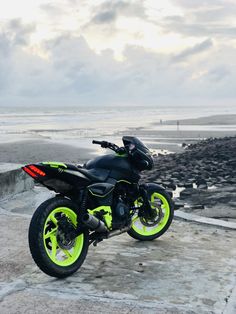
[[146, 230], [49, 248]]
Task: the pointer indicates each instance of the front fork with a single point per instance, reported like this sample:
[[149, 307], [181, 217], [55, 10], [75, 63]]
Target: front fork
[[146, 209]]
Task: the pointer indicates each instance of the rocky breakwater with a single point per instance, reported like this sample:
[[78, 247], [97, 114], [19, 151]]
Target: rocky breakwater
[[205, 174]]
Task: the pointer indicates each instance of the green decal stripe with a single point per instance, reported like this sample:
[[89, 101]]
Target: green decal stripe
[[94, 194], [137, 225], [56, 254], [55, 164], [122, 155], [124, 181]]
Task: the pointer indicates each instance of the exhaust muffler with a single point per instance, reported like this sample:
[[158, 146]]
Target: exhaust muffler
[[94, 223]]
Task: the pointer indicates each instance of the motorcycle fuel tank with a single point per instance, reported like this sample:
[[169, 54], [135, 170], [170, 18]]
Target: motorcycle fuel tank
[[119, 166]]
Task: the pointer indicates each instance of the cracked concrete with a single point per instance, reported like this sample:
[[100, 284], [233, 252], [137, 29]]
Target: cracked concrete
[[190, 269]]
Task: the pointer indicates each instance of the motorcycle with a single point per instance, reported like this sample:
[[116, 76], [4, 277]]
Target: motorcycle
[[96, 201]]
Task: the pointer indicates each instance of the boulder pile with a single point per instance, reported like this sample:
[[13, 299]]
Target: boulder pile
[[203, 169]]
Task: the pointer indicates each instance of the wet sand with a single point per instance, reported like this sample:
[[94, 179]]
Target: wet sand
[[224, 119], [29, 151], [156, 136], [24, 152]]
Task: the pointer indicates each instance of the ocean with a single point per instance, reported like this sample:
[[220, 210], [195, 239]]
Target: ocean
[[77, 126]]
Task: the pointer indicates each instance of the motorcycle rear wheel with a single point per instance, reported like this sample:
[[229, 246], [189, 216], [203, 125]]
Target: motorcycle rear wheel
[[145, 230], [52, 256]]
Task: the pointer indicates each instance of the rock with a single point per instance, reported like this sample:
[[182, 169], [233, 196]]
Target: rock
[[202, 186], [170, 193], [198, 206], [201, 181], [188, 185], [207, 163], [179, 204], [171, 186], [188, 192]]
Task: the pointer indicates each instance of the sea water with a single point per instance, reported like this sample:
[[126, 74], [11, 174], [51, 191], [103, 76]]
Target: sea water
[[78, 125]]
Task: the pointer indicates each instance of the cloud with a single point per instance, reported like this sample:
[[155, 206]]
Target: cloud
[[195, 50], [109, 11], [74, 74], [190, 4], [4, 46], [214, 18], [52, 9], [219, 73], [190, 27], [18, 32]]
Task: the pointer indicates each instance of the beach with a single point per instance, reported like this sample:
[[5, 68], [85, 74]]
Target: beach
[[24, 152], [68, 138]]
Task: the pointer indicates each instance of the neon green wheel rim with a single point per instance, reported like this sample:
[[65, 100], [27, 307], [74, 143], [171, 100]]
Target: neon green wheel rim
[[57, 255], [143, 230]]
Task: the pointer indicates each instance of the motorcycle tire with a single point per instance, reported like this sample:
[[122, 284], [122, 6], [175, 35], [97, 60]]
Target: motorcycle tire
[[52, 256], [144, 230]]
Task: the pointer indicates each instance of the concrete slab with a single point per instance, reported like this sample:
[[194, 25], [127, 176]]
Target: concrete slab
[[4, 167], [190, 269], [34, 197], [13, 180], [231, 303], [205, 220]]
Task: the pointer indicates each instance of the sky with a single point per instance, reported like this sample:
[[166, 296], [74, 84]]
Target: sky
[[118, 53]]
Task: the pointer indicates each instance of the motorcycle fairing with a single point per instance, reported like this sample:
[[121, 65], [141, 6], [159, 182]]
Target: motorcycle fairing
[[119, 167], [101, 189]]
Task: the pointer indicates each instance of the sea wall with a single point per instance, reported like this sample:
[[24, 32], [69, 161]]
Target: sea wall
[[13, 180]]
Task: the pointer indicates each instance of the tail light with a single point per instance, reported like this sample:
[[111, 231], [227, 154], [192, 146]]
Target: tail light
[[34, 171]]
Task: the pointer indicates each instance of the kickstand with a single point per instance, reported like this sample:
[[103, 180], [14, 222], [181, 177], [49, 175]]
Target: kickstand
[[95, 242]]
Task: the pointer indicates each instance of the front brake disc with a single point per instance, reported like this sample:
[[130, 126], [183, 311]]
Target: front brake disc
[[153, 222]]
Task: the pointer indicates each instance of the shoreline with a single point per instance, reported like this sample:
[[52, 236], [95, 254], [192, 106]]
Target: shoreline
[[23, 152], [64, 145], [32, 151]]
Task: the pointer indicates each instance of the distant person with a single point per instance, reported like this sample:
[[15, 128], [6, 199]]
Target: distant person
[[177, 125]]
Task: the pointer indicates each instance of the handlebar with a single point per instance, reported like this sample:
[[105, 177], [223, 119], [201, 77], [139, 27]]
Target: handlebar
[[97, 142], [105, 144]]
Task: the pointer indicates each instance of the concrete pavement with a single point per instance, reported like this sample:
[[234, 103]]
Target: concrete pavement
[[190, 269]]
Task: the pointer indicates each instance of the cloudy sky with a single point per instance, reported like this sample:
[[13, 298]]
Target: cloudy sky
[[140, 52]]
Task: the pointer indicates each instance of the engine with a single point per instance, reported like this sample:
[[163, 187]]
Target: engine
[[122, 202], [120, 214], [118, 197]]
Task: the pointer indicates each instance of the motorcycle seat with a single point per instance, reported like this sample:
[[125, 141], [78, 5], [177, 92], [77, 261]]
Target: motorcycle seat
[[95, 175]]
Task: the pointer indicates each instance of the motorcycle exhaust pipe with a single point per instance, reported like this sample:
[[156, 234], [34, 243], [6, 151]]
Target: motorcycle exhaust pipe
[[94, 223], [117, 232]]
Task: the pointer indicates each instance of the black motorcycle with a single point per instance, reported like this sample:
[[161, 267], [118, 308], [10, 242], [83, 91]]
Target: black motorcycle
[[93, 202]]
